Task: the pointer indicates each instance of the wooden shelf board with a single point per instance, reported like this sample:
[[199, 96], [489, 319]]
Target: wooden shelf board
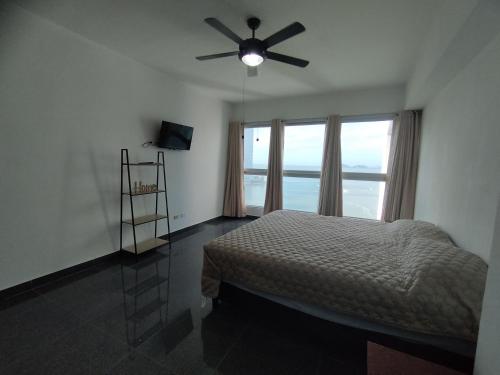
[[144, 164], [149, 192], [143, 246], [145, 219]]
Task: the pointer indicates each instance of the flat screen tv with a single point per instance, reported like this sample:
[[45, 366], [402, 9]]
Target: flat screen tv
[[175, 136]]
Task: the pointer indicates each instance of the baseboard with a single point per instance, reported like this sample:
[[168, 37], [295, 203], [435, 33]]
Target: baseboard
[[39, 281], [194, 227], [34, 283]]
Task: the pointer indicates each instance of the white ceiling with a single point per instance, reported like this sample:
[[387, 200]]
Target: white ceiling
[[351, 44]]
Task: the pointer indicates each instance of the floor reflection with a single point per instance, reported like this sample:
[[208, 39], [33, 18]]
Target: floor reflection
[[176, 331], [166, 322], [127, 315], [145, 286]]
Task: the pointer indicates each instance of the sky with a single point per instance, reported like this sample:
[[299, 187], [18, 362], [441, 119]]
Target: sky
[[362, 143]]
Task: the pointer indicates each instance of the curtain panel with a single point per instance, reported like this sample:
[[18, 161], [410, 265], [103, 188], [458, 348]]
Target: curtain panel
[[274, 184], [234, 197], [400, 190], [330, 191]]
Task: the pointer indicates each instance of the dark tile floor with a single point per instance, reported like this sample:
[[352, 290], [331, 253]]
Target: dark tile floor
[[149, 317]]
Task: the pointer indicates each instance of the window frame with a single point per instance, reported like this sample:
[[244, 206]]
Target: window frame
[[360, 176], [252, 209], [356, 176], [286, 172], [304, 173]]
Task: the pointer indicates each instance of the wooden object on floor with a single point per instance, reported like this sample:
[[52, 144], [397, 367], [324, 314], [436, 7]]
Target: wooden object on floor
[[385, 361]]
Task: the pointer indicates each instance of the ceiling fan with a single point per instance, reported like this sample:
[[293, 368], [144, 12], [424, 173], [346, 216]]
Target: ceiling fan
[[252, 51]]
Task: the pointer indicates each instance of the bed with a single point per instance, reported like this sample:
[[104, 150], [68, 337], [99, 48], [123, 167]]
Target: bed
[[406, 276]]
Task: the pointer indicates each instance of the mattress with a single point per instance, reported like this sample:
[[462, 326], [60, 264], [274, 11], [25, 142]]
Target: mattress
[[406, 274]]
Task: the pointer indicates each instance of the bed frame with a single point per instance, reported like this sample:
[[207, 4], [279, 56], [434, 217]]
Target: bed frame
[[269, 310]]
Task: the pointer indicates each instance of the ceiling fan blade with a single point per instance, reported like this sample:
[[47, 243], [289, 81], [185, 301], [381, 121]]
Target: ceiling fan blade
[[219, 26], [252, 71], [284, 34], [287, 59], [216, 56]]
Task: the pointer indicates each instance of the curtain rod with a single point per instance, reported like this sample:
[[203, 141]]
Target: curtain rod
[[316, 120]]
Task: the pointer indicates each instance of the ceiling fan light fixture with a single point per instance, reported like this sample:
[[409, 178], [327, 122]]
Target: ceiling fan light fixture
[[252, 59], [252, 51]]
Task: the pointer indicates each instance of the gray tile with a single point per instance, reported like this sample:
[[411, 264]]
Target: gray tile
[[99, 292], [129, 331], [135, 364], [82, 351], [187, 347], [29, 325], [186, 356], [137, 317], [260, 351], [17, 299], [113, 323], [81, 323], [330, 365], [84, 297]]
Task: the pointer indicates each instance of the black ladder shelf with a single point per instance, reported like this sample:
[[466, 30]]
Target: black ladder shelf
[[155, 242]]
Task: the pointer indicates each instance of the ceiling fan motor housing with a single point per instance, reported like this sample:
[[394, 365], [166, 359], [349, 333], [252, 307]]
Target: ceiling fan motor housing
[[252, 45]]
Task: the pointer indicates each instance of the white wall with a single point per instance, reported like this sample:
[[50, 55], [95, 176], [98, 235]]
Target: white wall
[[67, 106], [357, 102], [487, 358], [460, 30], [459, 172], [429, 74]]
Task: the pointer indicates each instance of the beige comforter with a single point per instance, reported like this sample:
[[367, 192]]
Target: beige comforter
[[405, 274]]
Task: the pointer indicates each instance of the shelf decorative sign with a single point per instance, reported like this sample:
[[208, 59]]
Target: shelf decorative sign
[[140, 188]]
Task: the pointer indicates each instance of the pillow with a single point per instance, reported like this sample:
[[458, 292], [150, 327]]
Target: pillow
[[406, 230]]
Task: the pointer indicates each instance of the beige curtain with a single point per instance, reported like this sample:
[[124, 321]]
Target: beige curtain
[[399, 199], [330, 190], [234, 197], [274, 186]]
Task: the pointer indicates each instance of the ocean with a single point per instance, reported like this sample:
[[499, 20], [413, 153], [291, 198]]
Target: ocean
[[360, 198]]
